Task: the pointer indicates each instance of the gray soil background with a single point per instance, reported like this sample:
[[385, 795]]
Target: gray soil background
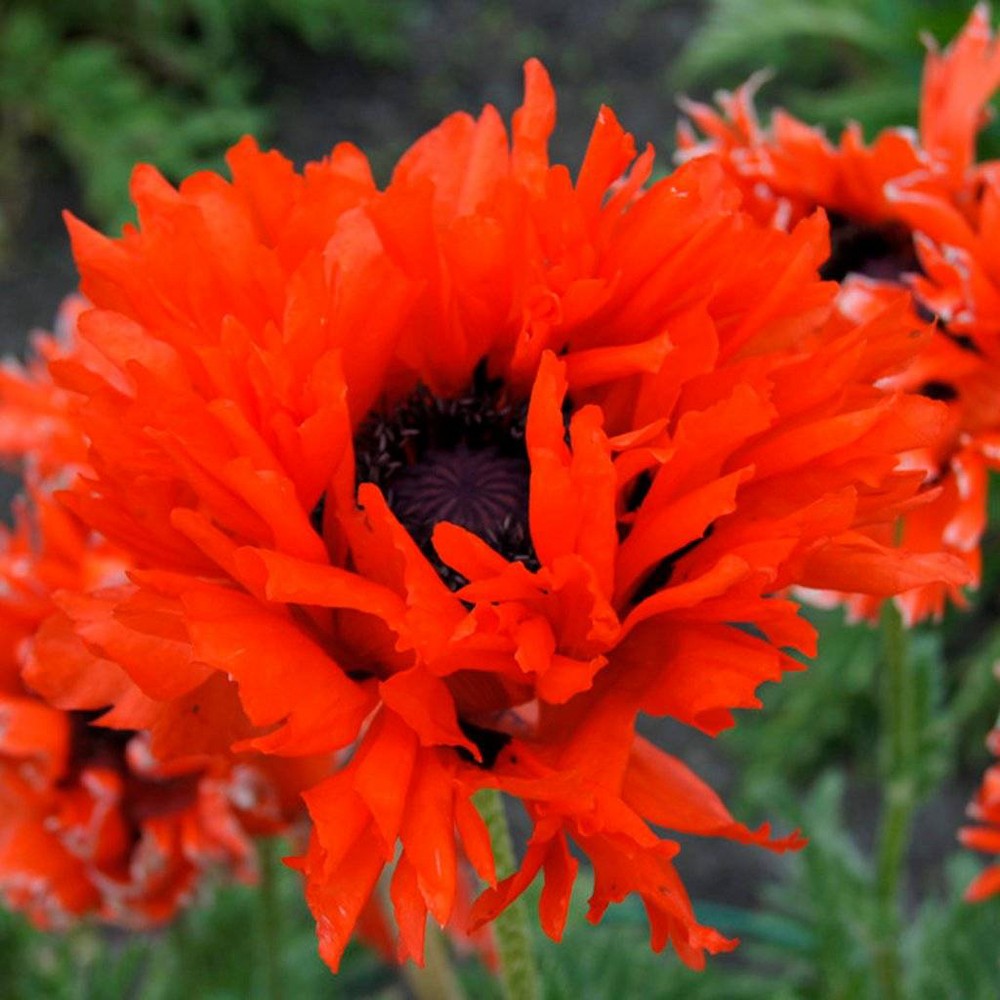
[[463, 55]]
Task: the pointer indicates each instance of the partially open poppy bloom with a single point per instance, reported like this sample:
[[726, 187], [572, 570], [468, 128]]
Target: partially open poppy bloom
[[984, 810], [459, 477], [91, 821], [789, 168], [895, 208]]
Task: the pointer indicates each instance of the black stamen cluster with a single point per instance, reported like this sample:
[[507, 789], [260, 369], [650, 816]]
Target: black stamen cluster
[[489, 742], [461, 459], [94, 746], [882, 251], [945, 392]]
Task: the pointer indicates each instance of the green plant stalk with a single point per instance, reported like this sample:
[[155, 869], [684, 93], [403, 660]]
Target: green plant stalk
[[518, 974], [269, 921], [899, 739]]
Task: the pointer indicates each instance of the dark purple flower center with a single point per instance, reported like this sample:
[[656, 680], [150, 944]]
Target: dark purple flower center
[[104, 748], [945, 392], [883, 251], [483, 491], [489, 742], [461, 460], [94, 746]]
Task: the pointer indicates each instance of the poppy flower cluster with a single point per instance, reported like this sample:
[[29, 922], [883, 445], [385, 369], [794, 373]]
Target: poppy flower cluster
[[913, 209], [447, 484]]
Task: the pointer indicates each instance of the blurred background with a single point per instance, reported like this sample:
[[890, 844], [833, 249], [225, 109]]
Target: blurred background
[[90, 87]]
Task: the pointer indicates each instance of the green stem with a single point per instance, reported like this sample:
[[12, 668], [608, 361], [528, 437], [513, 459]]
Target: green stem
[[897, 759], [269, 920], [518, 974]]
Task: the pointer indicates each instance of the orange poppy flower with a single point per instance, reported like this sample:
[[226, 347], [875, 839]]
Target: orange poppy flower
[[91, 822], [896, 208], [790, 168], [461, 476], [985, 835]]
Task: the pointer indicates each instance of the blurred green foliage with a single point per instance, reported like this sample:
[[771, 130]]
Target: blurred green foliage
[[110, 83], [853, 59], [812, 943], [948, 946]]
